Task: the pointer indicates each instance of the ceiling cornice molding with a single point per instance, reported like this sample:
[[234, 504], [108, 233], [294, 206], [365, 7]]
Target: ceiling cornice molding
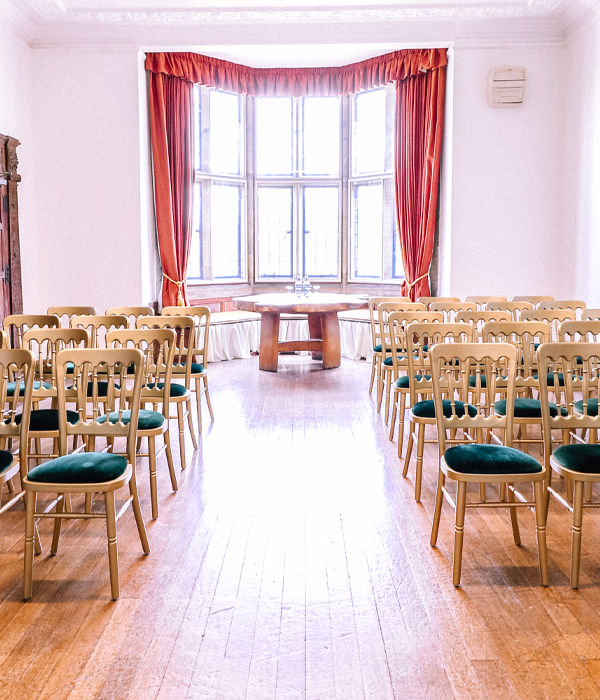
[[18, 22], [581, 16]]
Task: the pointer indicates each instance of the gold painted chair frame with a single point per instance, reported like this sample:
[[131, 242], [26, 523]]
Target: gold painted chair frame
[[451, 308], [515, 308], [477, 319], [450, 381], [376, 341], [69, 312], [16, 324], [132, 313], [535, 300]]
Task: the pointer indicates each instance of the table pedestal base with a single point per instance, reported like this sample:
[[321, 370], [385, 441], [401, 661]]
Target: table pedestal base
[[324, 343]]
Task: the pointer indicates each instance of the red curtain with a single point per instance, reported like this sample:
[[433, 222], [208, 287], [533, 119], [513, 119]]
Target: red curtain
[[172, 127], [419, 127], [420, 87]]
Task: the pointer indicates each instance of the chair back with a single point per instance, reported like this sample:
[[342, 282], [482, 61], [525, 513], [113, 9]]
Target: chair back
[[481, 301], [45, 344], [579, 332], [513, 307], [535, 300], [16, 367], [574, 304], [122, 369], [184, 344], [66, 313], [451, 366], [98, 327], [396, 338], [479, 318], [525, 337], [451, 308], [553, 317], [16, 324], [579, 365], [590, 315], [201, 316], [436, 300], [158, 348], [132, 312], [420, 339], [373, 305]]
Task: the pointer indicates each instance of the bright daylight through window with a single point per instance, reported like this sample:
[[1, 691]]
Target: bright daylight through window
[[306, 185]]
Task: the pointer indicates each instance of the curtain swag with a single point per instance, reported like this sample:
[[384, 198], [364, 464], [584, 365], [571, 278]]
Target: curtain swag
[[420, 78], [296, 82]]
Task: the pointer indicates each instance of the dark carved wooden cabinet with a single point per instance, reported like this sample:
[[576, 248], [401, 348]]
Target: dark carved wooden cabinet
[[11, 299]]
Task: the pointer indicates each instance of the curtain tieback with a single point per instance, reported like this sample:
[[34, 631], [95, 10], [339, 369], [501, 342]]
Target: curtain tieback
[[410, 286], [180, 301]]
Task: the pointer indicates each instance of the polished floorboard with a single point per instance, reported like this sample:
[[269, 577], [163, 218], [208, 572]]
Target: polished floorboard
[[294, 563]]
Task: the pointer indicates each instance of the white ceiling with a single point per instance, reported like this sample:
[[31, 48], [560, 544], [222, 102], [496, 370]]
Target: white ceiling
[[353, 26]]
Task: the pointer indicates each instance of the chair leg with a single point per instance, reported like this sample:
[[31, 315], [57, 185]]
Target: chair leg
[[198, 406], [419, 470], [576, 539], [513, 517], [57, 524], [30, 502], [172, 474], [153, 488], [188, 405], [207, 394], [388, 389], [393, 420], [401, 414], [439, 500], [181, 434], [373, 367], [111, 532], [540, 522], [411, 433], [139, 520], [379, 386], [459, 531]]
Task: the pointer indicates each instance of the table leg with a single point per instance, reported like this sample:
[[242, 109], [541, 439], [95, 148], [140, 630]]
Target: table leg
[[315, 331], [269, 339], [330, 326]]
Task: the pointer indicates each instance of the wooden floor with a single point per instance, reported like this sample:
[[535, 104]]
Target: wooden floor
[[294, 563]]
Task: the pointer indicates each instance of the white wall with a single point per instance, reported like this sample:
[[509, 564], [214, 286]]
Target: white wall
[[87, 145], [581, 250], [17, 120], [507, 188]]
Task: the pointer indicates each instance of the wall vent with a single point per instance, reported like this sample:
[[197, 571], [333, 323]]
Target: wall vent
[[506, 86]]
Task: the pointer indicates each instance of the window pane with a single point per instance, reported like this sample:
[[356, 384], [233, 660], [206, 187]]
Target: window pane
[[320, 231], [194, 262], [368, 137], [227, 232], [274, 133], [367, 225], [225, 133], [275, 243], [321, 136]]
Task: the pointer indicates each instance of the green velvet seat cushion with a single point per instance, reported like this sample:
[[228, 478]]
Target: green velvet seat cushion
[[11, 386], [47, 419], [102, 389], [490, 459], [80, 468], [6, 460], [147, 420], [196, 368], [389, 361], [473, 381], [592, 407], [550, 378], [426, 409], [579, 458], [378, 348], [527, 408], [175, 389], [404, 382]]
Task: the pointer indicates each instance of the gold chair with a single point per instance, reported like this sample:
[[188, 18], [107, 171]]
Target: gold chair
[[435, 300], [575, 305], [16, 324], [387, 364], [420, 339], [590, 315], [180, 394], [475, 462], [201, 316], [90, 472], [579, 462], [477, 319], [99, 326], [451, 308], [15, 366], [513, 307], [66, 313], [158, 348], [481, 301], [535, 300], [132, 313], [553, 317], [376, 332], [397, 322]]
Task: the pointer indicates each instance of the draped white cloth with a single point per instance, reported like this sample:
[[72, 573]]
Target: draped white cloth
[[234, 340]]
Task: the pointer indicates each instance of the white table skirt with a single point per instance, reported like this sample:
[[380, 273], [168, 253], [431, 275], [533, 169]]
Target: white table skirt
[[230, 341]]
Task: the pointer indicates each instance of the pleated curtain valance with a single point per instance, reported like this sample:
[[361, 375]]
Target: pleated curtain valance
[[296, 82]]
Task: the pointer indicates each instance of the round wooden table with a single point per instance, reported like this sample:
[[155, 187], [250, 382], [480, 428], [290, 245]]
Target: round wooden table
[[323, 324]]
